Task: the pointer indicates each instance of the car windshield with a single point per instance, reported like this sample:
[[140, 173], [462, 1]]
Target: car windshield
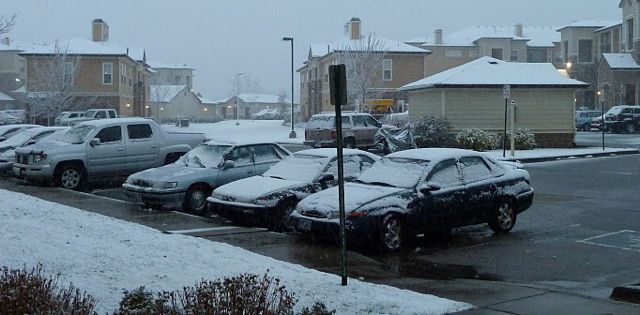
[[18, 139], [77, 134], [299, 167], [205, 156], [89, 113], [395, 172]]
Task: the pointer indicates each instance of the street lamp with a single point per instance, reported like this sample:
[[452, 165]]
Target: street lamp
[[237, 95], [292, 134]]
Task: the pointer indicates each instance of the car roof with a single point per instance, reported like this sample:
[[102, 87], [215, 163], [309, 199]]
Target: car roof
[[332, 152], [236, 143], [114, 121], [434, 154]]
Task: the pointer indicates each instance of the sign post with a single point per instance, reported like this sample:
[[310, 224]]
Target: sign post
[[506, 93], [513, 127], [338, 94]]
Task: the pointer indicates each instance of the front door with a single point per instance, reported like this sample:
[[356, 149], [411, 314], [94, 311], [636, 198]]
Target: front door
[[243, 167], [108, 156], [439, 208], [481, 189], [265, 156]]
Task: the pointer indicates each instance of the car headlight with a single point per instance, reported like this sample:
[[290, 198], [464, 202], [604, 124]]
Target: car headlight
[[39, 157], [170, 185]]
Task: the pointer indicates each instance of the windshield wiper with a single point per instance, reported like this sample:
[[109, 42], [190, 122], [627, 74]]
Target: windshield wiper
[[377, 183], [276, 177]]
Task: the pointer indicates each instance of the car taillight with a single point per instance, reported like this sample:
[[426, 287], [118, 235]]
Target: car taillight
[[333, 134]]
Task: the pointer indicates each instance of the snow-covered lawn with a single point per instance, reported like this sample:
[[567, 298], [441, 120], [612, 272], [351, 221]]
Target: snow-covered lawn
[[551, 153], [105, 256], [247, 130]]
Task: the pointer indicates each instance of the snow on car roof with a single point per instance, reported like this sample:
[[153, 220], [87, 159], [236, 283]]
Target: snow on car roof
[[332, 152], [109, 121], [432, 154], [234, 143]]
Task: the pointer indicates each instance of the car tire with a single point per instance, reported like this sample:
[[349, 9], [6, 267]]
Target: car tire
[[280, 218], [586, 127], [394, 236], [196, 199], [71, 176], [630, 128], [350, 143], [504, 217]]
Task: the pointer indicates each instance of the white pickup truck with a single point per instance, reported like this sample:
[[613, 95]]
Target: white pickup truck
[[91, 114], [104, 147]]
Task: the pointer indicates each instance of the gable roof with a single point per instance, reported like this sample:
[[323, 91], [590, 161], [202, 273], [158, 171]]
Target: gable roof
[[621, 61], [617, 24], [161, 65], [536, 36], [165, 93], [487, 71], [589, 24], [345, 43]]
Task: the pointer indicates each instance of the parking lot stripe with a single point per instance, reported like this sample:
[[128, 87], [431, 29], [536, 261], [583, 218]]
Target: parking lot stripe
[[604, 235], [220, 228], [98, 196]]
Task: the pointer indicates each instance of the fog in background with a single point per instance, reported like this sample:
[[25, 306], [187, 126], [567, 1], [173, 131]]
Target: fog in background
[[220, 38]]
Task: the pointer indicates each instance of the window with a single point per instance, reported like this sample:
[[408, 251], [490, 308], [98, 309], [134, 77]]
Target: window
[[629, 34], [177, 79], [107, 73], [474, 169], [358, 121], [496, 53], [585, 53], [605, 43], [387, 70], [326, 73], [445, 173], [514, 55], [265, 153], [565, 51], [112, 114], [351, 166], [110, 135], [68, 73], [241, 156], [141, 131], [453, 53], [100, 115], [372, 121]]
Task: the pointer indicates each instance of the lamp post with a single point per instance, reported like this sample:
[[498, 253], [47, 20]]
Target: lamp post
[[237, 95], [292, 134]]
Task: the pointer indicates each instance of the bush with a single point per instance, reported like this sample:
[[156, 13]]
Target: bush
[[432, 131], [31, 292], [524, 139], [476, 139], [317, 309]]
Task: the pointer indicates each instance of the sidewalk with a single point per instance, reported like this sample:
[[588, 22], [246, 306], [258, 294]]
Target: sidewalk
[[542, 155]]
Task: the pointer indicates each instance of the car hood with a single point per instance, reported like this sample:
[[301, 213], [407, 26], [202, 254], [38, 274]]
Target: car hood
[[356, 196], [47, 147], [250, 189], [175, 173]]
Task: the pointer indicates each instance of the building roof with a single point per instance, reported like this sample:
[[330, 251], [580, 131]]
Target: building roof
[[5, 97], [255, 98], [589, 23], [621, 61], [487, 71], [165, 93], [346, 43], [536, 36], [14, 46], [609, 26], [161, 65], [78, 46]]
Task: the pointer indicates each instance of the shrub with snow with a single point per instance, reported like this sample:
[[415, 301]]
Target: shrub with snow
[[396, 119], [432, 131], [524, 139], [476, 139]]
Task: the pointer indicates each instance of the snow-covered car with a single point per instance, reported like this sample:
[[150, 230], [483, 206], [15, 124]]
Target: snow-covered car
[[61, 119], [8, 119], [419, 191], [22, 139], [8, 131], [267, 114], [269, 199], [189, 181], [91, 114]]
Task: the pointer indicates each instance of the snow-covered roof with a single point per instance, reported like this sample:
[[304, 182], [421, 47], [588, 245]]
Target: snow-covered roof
[[621, 61], [536, 36], [487, 71], [165, 93], [161, 65], [205, 100], [255, 98], [77, 46], [346, 43], [589, 23], [14, 46], [609, 26], [105, 122], [5, 97], [22, 89]]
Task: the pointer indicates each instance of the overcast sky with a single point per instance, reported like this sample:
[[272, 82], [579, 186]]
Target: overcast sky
[[220, 38]]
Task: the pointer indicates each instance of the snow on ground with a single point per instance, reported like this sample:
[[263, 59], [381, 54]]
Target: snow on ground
[[248, 130], [550, 153], [105, 256]]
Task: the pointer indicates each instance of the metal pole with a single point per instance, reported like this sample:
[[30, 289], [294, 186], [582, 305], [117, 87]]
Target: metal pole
[[237, 92], [602, 124], [513, 129], [343, 238], [293, 132], [504, 133]]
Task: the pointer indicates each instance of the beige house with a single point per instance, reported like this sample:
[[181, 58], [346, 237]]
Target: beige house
[[170, 103], [249, 104], [79, 74], [471, 96], [400, 65], [516, 43]]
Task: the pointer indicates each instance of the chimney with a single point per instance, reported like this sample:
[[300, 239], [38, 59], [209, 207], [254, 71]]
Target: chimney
[[355, 28], [438, 36], [99, 31], [5, 41], [519, 30]]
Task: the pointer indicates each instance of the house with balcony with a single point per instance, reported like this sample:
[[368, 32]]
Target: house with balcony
[[400, 64]]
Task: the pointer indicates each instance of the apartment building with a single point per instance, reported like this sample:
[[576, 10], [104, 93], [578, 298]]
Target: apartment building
[[13, 67], [401, 63]]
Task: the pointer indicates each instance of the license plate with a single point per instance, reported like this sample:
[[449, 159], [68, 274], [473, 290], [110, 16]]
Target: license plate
[[304, 225]]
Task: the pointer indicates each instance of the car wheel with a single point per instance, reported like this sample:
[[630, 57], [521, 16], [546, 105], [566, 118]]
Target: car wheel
[[586, 127], [280, 218], [350, 143], [504, 217], [630, 128], [196, 199], [393, 234], [71, 177]]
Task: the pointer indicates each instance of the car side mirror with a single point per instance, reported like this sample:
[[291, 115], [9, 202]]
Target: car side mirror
[[227, 164], [94, 142], [326, 178], [429, 187], [30, 142]]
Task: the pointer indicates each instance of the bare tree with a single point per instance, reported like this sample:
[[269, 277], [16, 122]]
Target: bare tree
[[159, 95], [7, 23], [246, 83], [363, 60]]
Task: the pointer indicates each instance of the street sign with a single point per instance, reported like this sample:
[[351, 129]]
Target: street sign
[[506, 91], [338, 84]]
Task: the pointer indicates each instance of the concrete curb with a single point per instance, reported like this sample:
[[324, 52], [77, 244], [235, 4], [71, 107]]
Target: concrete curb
[[628, 293], [574, 156]]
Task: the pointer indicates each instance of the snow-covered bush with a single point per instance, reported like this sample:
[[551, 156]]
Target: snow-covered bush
[[396, 119], [432, 131], [31, 292], [524, 139], [476, 139]]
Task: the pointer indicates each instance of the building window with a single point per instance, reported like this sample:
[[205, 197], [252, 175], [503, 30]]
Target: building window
[[107, 73], [514, 55], [326, 73], [565, 51], [496, 53], [585, 53], [605, 43], [450, 53], [189, 80], [387, 70], [68, 73], [629, 34], [176, 79]]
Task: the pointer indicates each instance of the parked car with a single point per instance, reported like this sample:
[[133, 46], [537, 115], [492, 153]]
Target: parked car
[[358, 130], [269, 199], [189, 181], [63, 118], [91, 114], [8, 131], [267, 114], [99, 148], [24, 138], [419, 191], [584, 119], [623, 118]]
